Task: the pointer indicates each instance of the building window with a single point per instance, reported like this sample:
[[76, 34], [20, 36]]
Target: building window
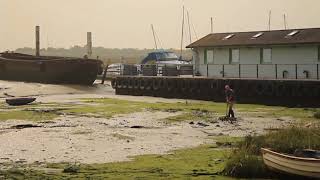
[[208, 56], [234, 55], [266, 55]]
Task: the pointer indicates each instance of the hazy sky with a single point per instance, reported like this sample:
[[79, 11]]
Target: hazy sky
[[126, 23]]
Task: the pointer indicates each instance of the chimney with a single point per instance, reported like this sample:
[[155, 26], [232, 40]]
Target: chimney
[[89, 43], [37, 40]]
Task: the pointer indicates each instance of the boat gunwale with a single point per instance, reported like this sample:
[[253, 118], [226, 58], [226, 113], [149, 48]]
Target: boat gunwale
[[265, 150]]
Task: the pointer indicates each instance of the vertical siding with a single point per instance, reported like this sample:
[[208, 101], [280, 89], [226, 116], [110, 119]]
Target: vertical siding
[[285, 56], [221, 56], [294, 55], [250, 55]]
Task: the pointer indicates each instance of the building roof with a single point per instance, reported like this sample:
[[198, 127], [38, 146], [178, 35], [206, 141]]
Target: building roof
[[260, 38]]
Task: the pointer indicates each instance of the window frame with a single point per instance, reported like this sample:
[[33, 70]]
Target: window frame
[[262, 59], [231, 59]]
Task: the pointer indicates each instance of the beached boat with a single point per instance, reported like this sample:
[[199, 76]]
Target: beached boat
[[49, 69], [20, 101], [301, 166]]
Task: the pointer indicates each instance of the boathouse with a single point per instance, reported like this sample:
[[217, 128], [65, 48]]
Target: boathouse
[[276, 54]]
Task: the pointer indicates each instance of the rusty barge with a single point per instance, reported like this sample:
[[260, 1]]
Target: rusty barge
[[48, 69]]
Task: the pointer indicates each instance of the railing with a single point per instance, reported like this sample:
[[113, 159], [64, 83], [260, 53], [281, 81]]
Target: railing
[[261, 71], [243, 71], [150, 70]]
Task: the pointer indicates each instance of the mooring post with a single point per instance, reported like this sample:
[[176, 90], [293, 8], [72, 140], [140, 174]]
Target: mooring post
[[37, 40], [104, 74]]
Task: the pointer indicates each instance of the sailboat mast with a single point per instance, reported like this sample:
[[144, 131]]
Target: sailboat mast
[[154, 37], [189, 27], [182, 32]]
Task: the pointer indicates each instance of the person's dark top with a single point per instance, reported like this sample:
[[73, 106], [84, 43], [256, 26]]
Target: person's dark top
[[230, 95]]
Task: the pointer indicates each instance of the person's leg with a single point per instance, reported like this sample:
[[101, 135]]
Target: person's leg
[[231, 110]]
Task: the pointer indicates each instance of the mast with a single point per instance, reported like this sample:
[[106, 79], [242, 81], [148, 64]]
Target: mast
[[154, 37], [189, 27], [269, 24], [182, 32], [285, 21], [211, 25]]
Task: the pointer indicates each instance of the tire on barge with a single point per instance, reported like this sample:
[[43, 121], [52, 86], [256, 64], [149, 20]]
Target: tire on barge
[[269, 92]]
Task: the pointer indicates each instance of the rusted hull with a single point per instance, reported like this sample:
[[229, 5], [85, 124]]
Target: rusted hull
[[269, 92], [53, 71]]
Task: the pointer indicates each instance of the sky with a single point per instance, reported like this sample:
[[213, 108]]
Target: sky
[[126, 23]]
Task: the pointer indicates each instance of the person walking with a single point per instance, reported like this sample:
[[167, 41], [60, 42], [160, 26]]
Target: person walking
[[230, 99]]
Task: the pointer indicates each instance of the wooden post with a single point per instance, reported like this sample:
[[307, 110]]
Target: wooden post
[[104, 74], [37, 40]]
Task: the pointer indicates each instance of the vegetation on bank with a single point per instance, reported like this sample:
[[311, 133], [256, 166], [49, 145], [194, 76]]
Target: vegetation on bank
[[246, 160], [204, 162]]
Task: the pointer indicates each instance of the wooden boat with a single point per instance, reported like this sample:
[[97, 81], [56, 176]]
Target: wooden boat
[[49, 69], [20, 101], [301, 166]]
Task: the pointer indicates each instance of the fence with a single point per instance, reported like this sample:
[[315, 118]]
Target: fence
[[150, 70], [242, 71], [261, 71]]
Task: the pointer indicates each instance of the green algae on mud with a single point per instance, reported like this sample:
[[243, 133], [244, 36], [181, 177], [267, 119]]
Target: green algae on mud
[[31, 112], [203, 162], [190, 110]]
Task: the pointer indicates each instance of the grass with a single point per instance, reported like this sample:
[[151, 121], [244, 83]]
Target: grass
[[31, 112], [204, 162], [190, 110], [26, 115], [246, 160]]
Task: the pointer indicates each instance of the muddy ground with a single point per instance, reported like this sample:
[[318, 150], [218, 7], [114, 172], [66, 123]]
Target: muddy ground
[[73, 138]]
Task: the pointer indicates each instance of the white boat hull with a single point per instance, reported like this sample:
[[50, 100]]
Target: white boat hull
[[308, 167]]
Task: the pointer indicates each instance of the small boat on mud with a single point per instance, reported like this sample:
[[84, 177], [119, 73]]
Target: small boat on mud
[[20, 101], [302, 166], [49, 69]]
